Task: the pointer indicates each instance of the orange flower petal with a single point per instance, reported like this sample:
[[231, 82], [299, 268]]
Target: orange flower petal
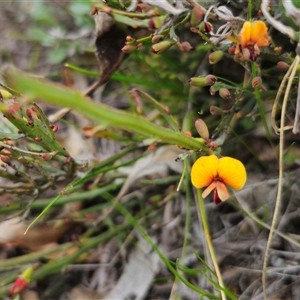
[[222, 191], [245, 34], [259, 34], [232, 172], [254, 33], [204, 171], [209, 189]]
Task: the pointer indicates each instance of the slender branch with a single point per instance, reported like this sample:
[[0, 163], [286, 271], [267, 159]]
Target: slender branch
[[279, 190]]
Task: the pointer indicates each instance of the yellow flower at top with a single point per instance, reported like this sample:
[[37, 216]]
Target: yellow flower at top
[[216, 174], [254, 33], [252, 36]]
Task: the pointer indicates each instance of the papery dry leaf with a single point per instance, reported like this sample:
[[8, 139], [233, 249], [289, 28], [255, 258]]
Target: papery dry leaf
[[158, 162], [138, 274], [12, 231]]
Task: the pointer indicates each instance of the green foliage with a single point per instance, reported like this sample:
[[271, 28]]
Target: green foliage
[[161, 108]]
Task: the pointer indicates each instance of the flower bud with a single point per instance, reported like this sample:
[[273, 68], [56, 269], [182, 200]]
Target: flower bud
[[216, 111], [202, 81], [205, 27], [198, 81], [162, 46], [224, 93], [202, 129], [256, 82], [130, 38], [21, 282], [54, 128], [231, 50], [185, 47], [46, 156], [210, 79], [215, 57], [129, 48], [188, 133], [196, 15], [157, 38], [283, 66], [5, 159], [4, 94]]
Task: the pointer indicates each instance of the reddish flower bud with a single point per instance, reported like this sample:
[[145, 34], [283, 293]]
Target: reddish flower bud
[[205, 27], [256, 82], [157, 38], [129, 38], [210, 79], [215, 111], [5, 152], [185, 47], [231, 50], [68, 159], [202, 129], [283, 66], [188, 133], [215, 57], [5, 159], [129, 48], [21, 282], [37, 138], [54, 128], [46, 156], [162, 46], [28, 114], [196, 15], [224, 93], [19, 285], [13, 109], [202, 81]]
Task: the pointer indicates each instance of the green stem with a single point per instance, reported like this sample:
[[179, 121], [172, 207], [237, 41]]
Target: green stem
[[148, 239], [209, 242], [62, 96]]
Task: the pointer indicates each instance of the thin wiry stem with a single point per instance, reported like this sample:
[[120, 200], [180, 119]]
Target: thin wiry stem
[[280, 163], [211, 249]]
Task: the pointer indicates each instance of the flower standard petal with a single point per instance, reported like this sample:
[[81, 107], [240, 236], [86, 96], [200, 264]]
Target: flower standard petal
[[232, 172], [245, 34], [204, 171], [259, 34]]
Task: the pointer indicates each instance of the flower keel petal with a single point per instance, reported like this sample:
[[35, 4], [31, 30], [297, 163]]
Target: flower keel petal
[[222, 191]]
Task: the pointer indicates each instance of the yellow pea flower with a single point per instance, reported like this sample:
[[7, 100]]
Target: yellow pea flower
[[254, 33], [216, 174], [252, 36]]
